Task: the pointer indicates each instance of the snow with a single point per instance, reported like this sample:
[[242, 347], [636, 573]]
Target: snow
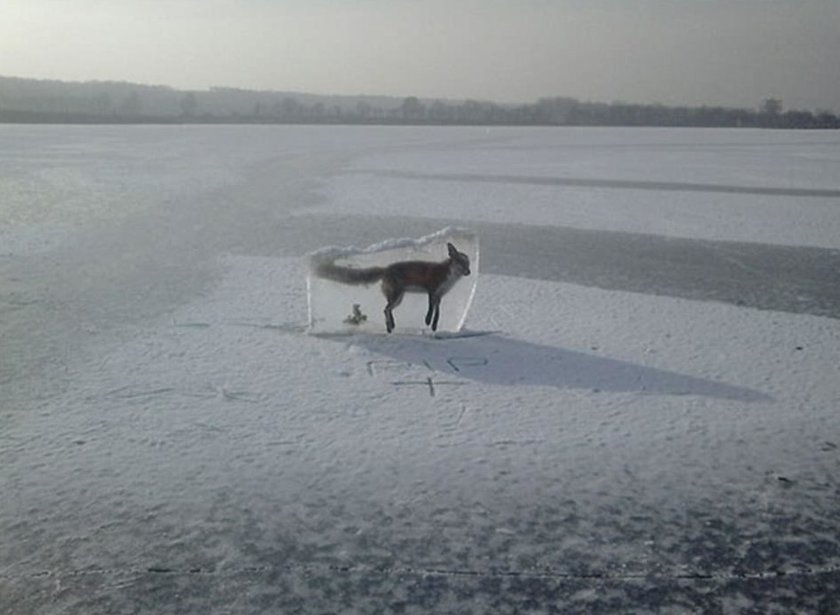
[[575, 448]]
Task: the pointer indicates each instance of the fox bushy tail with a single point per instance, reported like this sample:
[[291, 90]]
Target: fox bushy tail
[[348, 275]]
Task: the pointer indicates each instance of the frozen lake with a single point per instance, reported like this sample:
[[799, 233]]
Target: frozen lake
[[646, 416]]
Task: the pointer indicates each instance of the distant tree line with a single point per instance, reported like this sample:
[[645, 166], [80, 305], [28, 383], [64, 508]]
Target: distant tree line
[[35, 101]]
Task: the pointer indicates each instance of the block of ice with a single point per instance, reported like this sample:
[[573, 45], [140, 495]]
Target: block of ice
[[349, 288]]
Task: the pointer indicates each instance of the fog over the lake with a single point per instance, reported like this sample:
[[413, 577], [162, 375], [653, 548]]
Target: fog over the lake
[[715, 52]]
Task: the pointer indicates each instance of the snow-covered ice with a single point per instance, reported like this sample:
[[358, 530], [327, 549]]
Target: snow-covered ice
[[172, 439], [705, 184]]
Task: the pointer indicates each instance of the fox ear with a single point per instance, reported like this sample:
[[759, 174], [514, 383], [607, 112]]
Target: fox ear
[[452, 249]]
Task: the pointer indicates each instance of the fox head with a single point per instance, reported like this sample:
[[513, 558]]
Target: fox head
[[460, 261]]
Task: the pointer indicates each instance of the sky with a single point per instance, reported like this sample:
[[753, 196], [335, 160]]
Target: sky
[[714, 52]]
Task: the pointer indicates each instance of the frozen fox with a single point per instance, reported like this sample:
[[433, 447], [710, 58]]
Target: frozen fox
[[435, 279]]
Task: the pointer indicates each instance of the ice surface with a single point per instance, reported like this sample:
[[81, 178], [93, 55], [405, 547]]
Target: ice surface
[[344, 308], [172, 441], [705, 184]]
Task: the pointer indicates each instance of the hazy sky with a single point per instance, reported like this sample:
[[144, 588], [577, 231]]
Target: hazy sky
[[729, 52]]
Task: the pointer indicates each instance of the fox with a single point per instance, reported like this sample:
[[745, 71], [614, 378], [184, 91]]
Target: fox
[[435, 279]]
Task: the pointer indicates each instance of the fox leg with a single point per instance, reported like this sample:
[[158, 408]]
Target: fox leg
[[394, 297], [434, 311], [431, 311]]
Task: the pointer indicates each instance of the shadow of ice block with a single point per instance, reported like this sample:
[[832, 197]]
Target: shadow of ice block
[[336, 307]]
